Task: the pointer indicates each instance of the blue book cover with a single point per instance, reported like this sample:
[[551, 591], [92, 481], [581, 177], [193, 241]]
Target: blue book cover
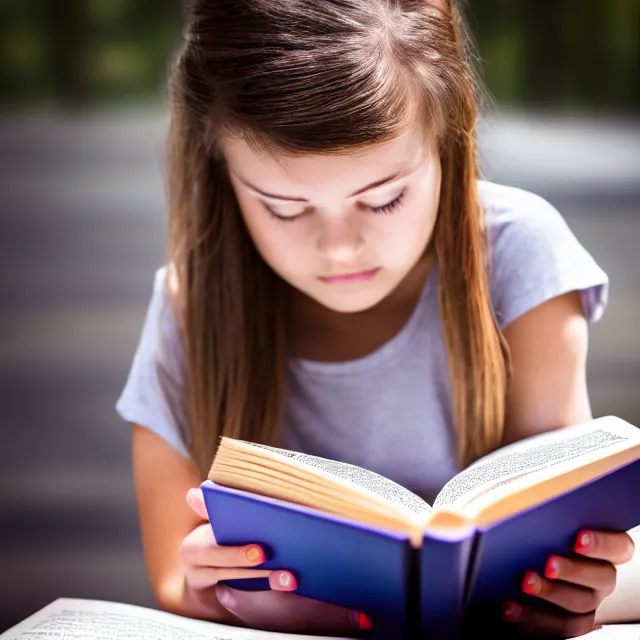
[[505, 551], [334, 560], [494, 521]]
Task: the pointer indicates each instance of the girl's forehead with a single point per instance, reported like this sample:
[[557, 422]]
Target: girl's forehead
[[403, 153]]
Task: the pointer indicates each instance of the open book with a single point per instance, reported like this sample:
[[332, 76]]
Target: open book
[[360, 540], [77, 619]]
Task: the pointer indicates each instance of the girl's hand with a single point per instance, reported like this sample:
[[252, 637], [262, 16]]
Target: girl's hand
[[207, 564], [576, 586]]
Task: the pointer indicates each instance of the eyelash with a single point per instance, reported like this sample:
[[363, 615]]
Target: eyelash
[[388, 208], [391, 206], [277, 217]]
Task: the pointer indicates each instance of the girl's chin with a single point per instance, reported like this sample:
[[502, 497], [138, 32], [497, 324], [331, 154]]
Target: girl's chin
[[351, 301]]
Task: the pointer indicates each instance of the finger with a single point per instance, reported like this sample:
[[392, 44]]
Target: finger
[[199, 548], [282, 581], [195, 500], [290, 613], [538, 622], [204, 577], [615, 547], [593, 574], [571, 597]]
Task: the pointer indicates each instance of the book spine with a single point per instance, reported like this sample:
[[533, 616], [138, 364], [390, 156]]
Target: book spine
[[414, 600], [444, 567]]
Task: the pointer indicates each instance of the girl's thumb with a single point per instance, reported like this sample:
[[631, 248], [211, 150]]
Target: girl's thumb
[[195, 500]]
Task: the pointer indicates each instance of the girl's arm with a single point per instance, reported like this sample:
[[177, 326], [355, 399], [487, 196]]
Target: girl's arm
[[162, 478], [548, 387], [548, 390]]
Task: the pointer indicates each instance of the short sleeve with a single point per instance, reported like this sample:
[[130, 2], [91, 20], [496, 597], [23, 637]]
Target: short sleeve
[[534, 256], [153, 393]]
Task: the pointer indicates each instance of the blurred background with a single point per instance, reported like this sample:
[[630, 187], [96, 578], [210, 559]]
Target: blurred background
[[82, 124]]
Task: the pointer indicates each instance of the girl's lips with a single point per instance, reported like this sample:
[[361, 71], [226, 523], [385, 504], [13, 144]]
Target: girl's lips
[[360, 276]]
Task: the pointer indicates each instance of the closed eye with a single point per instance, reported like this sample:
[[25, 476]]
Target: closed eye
[[279, 217], [390, 207]]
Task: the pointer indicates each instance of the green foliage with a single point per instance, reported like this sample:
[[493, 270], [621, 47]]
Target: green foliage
[[85, 51], [546, 53], [560, 53]]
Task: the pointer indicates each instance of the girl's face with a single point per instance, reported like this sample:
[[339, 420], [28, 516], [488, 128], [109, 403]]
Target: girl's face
[[343, 229]]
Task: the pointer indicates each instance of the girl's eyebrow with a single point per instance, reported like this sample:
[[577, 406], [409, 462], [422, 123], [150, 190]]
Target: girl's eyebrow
[[377, 183]]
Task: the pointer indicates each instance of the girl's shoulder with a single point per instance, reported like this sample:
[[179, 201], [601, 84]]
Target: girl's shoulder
[[153, 395], [534, 255]]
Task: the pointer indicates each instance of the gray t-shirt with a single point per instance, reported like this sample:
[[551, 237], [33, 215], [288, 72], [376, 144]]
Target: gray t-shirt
[[389, 411]]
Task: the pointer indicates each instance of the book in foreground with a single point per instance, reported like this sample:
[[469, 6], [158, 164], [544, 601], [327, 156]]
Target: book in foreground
[[361, 541], [78, 619]]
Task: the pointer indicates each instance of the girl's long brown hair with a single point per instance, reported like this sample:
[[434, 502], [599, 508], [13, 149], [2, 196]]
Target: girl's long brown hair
[[317, 76]]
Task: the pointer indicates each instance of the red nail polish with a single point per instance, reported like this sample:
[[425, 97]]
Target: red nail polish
[[285, 580], [361, 621], [531, 583], [583, 542], [552, 568], [254, 554], [511, 612]]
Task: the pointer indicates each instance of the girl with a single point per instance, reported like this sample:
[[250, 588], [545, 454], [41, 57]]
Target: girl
[[341, 282]]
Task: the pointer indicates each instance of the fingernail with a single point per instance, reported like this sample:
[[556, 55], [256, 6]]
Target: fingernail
[[596, 627], [191, 496], [531, 583], [284, 581], [225, 597], [552, 568], [360, 620], [511, 612], [254, 554], [584, 542]]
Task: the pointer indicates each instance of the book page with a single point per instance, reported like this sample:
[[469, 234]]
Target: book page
[[615, 632], [363, 478], [533, 454], [75, 619]]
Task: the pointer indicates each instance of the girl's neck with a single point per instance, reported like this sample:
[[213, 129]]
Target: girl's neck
[[320, 334]]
